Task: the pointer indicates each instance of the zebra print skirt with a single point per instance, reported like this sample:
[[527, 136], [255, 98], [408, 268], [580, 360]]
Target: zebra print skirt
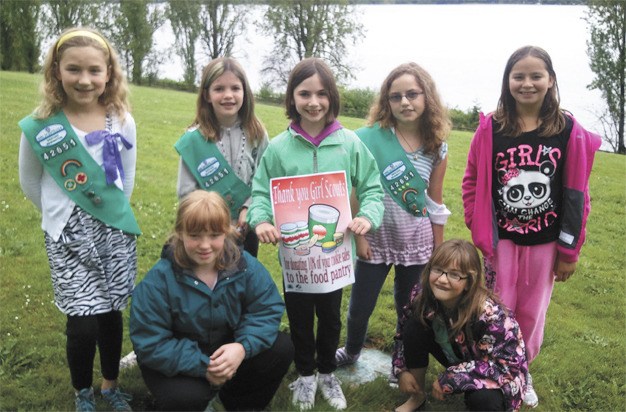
[[93, 266]]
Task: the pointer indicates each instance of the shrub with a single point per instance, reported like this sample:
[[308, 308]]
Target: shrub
[[356, 102], [467, 120], [170, 84], [267, 95]]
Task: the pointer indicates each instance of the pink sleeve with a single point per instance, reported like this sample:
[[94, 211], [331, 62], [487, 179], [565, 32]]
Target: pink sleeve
[[468, 186]]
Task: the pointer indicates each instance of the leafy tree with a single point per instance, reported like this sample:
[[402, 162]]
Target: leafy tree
[[184, 16], [63, 14], [607, 53], [216, 23], [135, 24], [303, 28], [19, 38], [221, 24]]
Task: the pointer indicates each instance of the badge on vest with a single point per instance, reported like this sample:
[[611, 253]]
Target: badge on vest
[[211, 170], [80, 178], [401, 187], [72, 167], [208, 167], [211, 167], [399, 177], [51, 135]]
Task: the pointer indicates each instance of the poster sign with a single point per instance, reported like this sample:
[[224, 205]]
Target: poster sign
[[312, 213]]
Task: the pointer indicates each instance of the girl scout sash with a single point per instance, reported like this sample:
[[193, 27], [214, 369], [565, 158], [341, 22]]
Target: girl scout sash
[[398, 175], [63, 156], [212, 171]]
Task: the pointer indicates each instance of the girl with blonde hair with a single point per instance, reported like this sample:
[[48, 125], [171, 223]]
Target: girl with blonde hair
[[77, 165]]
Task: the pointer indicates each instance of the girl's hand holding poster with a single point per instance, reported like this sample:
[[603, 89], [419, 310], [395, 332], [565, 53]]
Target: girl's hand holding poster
[[312, 213]]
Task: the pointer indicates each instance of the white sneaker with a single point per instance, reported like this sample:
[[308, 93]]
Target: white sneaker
[[392, 379], [128, 361], [530, 396], [304, 389], [331, 390]]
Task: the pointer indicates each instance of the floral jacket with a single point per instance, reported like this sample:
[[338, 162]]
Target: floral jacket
[[495, 358]]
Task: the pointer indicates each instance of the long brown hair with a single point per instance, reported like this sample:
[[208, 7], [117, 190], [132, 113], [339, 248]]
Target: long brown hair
[[204, 211], [434, 123], [115, 96], [551, 117], [463, 256], [205, 114]]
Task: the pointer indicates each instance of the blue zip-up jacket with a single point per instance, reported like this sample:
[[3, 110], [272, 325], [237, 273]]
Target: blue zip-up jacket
[[177, 321]]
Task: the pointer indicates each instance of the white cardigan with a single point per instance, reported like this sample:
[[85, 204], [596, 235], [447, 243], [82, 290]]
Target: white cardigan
[[41, 189]]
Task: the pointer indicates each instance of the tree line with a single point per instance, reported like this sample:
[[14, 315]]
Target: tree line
[[209, 27], [300, 28]]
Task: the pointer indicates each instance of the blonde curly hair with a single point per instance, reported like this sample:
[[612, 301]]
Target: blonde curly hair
[[115, 96]]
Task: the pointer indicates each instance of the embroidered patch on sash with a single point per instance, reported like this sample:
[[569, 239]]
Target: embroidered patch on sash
[[81, 178], [51, 135], [394, 170], [67, 163], [70, 184], [208, 167]]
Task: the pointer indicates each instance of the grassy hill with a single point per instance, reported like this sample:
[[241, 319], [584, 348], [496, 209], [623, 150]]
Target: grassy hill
[[581, 366]]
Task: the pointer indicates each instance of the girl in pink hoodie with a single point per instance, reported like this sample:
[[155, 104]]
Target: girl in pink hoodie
[[526, 192]]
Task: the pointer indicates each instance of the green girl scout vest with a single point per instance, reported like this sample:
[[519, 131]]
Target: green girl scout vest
[[212, 171], [398, 175], [63, 156]]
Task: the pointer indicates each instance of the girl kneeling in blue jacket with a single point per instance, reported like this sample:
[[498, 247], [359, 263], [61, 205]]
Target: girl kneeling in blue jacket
[[204, 320]]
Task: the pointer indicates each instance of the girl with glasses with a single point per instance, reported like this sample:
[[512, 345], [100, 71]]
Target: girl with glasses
[[406, 132], [462, 324]]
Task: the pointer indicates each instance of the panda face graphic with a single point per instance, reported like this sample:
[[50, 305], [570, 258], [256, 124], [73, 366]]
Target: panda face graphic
[[527, 189]]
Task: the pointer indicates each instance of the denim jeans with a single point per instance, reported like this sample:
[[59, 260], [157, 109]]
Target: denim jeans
[[369, 280]]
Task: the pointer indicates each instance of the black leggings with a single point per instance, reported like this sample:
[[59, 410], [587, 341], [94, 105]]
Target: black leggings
[[84, 333], [302, 309], [252, 388], [419, 341]]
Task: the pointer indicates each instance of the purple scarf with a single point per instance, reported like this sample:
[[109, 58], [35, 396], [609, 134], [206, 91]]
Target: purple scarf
[[331, 128], [110, 154]]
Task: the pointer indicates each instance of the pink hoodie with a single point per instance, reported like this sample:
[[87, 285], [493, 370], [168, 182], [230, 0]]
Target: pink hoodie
[[478, 202]]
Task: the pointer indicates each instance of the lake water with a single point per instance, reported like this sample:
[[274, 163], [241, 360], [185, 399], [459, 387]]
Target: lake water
[[464, 48]]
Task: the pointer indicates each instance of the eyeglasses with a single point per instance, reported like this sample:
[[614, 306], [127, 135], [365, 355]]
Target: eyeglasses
[[451, 275], [410, 96]]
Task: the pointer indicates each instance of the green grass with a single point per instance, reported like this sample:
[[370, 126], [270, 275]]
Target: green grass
[[581, 366]]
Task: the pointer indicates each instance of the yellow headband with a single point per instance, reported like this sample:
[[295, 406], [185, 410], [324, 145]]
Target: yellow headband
[[82, 33]]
